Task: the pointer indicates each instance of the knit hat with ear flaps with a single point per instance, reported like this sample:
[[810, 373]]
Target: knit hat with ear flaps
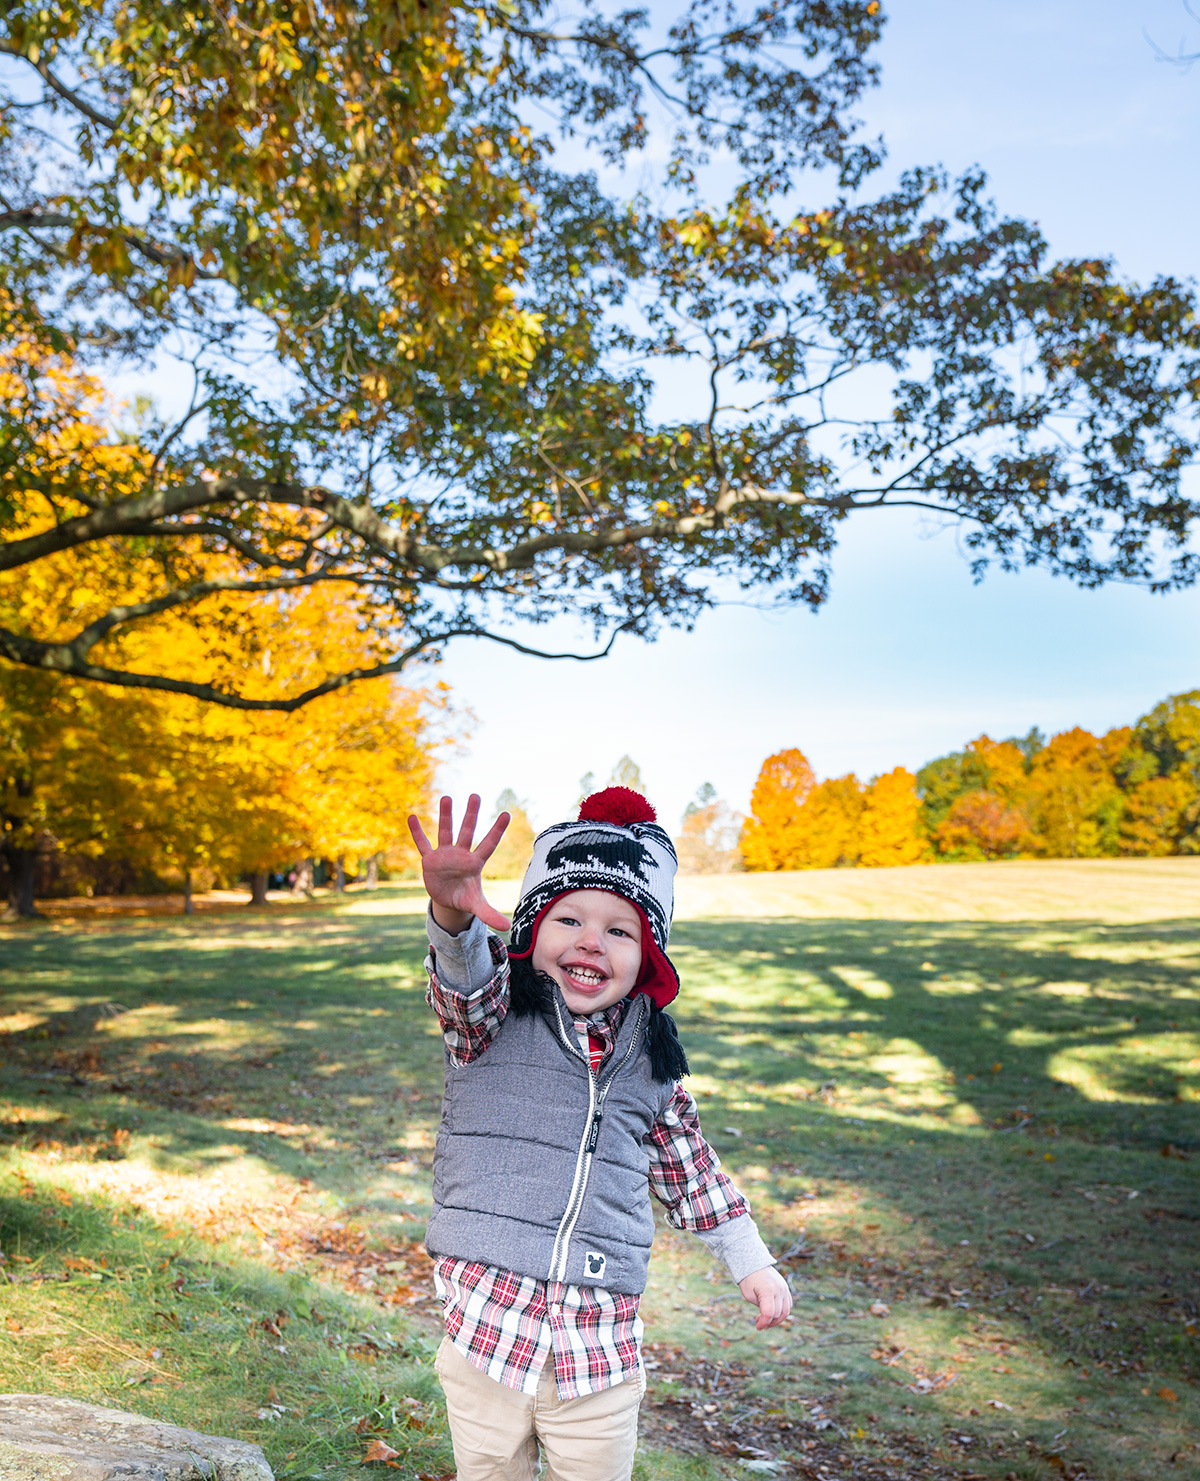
[[618, 846]]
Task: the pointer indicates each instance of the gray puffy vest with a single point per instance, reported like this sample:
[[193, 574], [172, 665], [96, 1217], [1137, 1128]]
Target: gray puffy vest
[[541, 1167]]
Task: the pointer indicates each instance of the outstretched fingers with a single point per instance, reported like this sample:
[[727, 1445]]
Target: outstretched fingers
[[486, 846], [467, 830], [418, 835], [445, 823]]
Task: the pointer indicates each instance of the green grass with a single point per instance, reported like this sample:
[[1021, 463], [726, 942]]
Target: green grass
[[215, 1139]]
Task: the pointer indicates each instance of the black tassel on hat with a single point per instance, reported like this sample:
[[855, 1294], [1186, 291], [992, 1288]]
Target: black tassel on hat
[[668, 1062], [531, 991]]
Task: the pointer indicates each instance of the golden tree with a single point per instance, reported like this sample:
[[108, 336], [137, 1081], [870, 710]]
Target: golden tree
[[796, 822], [1159, 816], [890, 827], [769, 835], [1074, 802], [162, 780], [827, 830]]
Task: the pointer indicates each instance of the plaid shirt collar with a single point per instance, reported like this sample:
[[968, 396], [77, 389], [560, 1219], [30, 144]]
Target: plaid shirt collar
[[604, 1026]]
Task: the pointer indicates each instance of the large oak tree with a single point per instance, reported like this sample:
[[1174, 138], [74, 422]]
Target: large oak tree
[[428, 326]]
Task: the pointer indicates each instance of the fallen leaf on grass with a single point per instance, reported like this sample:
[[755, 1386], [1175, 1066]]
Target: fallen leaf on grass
[[877, 1308], [932, 1385], [380, 1450], [999, 1404], [1169, 1394]]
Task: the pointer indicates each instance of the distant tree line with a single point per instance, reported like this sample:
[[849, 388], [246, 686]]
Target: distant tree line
[[1131, 792]]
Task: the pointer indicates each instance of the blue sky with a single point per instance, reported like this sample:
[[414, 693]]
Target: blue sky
[[1081, 129]]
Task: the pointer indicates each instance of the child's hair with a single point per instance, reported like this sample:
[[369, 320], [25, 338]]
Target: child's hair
[[531, 991]]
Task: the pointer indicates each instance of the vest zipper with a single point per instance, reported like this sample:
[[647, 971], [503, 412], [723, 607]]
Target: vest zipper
[[587, 1144]]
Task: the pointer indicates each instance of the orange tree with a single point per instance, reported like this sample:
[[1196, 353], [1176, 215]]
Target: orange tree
[[418, 343], [773, 833]]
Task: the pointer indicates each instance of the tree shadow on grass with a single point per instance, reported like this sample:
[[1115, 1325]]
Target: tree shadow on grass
[[1061, 1017], [301, 1047], [1007, 1092], [309, 1046]]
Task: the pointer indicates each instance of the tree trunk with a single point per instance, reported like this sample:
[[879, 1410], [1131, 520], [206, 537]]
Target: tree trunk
[[21, 865], [188, 907], [258, 887], [339, 877], [373, 872], [303, 883]]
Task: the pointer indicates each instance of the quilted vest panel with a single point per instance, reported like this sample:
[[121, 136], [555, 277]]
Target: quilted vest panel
[[526, 1179]]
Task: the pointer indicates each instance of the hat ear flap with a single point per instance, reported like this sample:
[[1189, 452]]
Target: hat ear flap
[[668, 1062]]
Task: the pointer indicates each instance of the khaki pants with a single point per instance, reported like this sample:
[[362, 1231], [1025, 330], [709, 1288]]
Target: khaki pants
[[496, 1430]]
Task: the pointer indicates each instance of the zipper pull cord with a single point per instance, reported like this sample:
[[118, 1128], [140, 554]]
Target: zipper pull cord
[[594, 1132]]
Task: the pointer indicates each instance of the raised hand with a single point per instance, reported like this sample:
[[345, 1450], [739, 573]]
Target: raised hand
[[453, 871]]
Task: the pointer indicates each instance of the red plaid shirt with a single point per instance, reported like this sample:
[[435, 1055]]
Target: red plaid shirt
[[509, 1324]]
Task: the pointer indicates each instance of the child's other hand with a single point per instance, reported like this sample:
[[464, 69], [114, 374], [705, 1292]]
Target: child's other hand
[[768, 1290], [453, 871]]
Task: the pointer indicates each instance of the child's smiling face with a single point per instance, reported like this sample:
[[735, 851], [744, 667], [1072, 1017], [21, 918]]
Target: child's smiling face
[[590, 942]]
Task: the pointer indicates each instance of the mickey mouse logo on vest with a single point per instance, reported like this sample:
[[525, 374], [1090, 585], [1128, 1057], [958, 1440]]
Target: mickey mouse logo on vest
[[594, 1263]]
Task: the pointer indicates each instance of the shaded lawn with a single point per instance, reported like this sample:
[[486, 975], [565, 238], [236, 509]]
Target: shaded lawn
[[985, 1131]]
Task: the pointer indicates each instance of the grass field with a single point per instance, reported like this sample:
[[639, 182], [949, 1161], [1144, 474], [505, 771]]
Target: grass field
[[963, 1100]]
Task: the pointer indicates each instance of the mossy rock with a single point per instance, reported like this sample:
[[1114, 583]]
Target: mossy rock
[[50, 1439]]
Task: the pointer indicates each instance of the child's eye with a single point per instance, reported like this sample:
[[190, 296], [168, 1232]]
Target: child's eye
[[567, 920]]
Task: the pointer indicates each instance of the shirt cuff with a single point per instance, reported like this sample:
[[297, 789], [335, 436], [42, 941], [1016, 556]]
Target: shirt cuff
[[464, 962], [738, 1245]]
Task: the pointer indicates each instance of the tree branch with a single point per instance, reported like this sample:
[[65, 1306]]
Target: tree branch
[[67, 94], [59, 658], [138, 516], [87, 638], [27, 219]]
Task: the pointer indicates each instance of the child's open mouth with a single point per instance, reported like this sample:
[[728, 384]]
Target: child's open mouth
[[587, 979]]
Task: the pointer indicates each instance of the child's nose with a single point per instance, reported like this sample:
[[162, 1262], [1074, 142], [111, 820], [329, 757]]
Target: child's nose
[[590, 941]]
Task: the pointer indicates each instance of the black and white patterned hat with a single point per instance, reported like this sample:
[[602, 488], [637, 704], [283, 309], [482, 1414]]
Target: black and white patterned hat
[[618, 846]]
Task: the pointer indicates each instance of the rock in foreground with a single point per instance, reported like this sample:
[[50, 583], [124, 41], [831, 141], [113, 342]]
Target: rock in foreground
[[47, 1439]]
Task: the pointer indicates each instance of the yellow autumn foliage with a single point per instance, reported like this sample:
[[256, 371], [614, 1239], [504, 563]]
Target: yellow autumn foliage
[[1074, 800], [890, 826], [171, 784], [769, 835], [163, 780]]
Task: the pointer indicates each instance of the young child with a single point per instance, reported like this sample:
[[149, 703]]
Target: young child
[[562, 1113]]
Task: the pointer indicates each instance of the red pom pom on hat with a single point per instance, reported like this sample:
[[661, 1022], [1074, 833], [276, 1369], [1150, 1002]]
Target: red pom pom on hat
[[619, 805]]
